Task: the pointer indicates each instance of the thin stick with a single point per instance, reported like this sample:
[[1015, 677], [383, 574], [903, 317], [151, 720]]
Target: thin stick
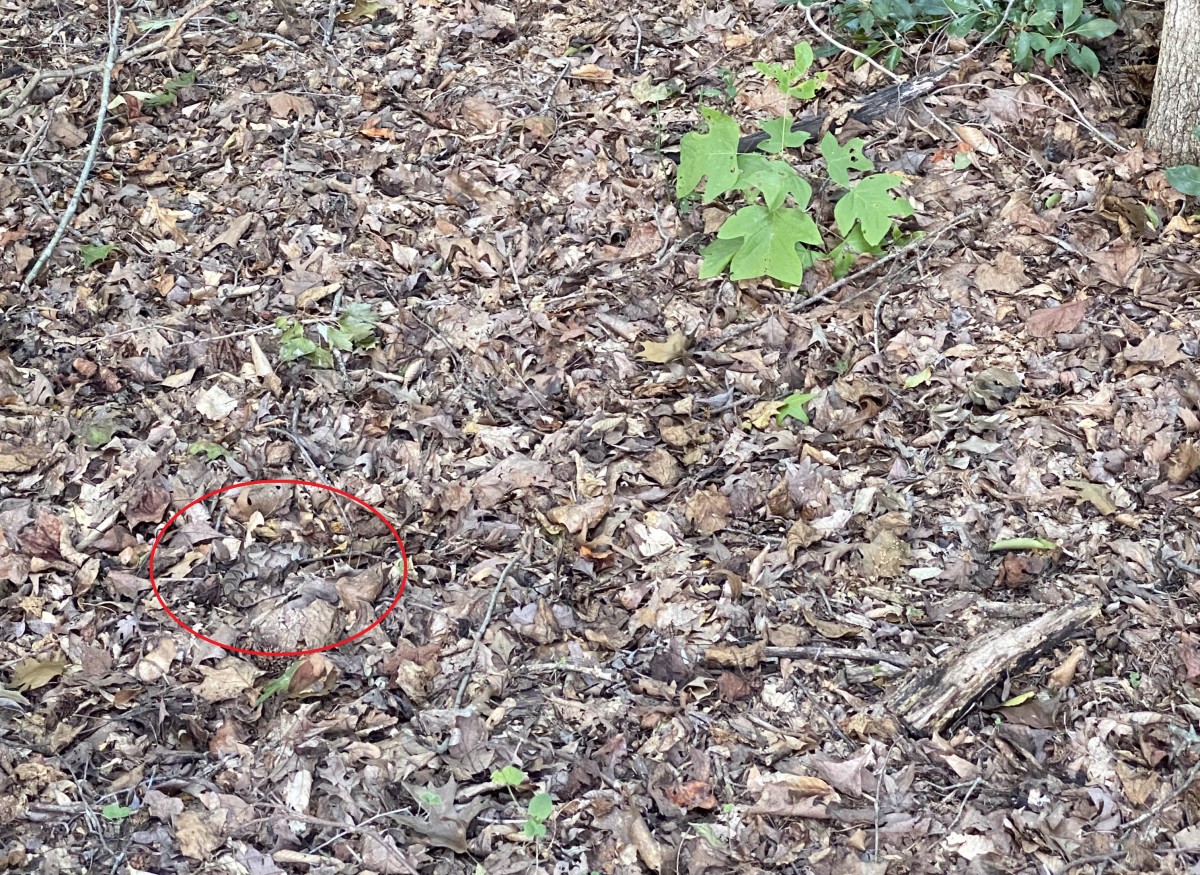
[[867, 58], [1104, 138], [331, 20], [832, 288], [483, 627], [114, 34], [637, 50]]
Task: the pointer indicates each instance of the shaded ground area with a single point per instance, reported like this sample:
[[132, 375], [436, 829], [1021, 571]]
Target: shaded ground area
[[686, 622]]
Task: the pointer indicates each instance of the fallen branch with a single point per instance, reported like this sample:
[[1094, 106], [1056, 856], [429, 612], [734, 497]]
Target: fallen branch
[[932, 699]]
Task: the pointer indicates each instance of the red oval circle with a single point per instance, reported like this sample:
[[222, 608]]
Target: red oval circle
[[344, 494]]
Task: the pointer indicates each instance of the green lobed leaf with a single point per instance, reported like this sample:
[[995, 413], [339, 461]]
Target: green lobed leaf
[[782, 136], [296, 347], [92, 253], [358, 322], [712, 156], [534, 829], [209, 449], [793, 407], [873, 206], [715, 257], [769, 239], [840, 159], [776, 180], [336, 338]]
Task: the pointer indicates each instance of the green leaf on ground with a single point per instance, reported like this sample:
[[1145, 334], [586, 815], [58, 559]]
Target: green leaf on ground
[[1184, 178], [782, 136], [839, 159], [509, 776], [92, 253], [712, 157], [541, 806], [873, 206], [776, 180], [793, 407], [279, 684], [769, 239]]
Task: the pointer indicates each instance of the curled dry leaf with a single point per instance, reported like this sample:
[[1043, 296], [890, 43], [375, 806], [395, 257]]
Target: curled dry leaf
[[317, 675]]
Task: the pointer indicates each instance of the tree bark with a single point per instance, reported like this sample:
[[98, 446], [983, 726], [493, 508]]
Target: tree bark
[[1175, 106]]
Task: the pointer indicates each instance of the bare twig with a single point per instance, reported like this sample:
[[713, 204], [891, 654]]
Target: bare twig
[[1104, 138], [637, 50], [483, 627], [871, 62], [114, 35], [832, 288], [331, 20]]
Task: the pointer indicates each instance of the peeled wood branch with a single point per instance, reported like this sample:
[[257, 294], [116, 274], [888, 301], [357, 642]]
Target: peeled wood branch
[[936, 696]]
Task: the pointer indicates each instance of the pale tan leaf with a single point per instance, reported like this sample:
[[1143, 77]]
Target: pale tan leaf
[[32, 674], [669, 350]]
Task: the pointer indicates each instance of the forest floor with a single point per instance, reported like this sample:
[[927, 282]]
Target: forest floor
[[430, 254]]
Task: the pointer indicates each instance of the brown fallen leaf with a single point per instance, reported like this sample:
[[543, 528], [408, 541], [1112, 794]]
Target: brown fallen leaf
[[1062, 319], [592, 73], [709, 511], [1157, 349], [1189, 655], [283, 104], [446, 825], [316, 676], [1005, 275], [19, 459], [1061, 677], [479, 114], [1184, 462], [234, 233]]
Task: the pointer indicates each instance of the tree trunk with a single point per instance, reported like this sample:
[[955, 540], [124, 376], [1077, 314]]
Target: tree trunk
[[1175, 107]]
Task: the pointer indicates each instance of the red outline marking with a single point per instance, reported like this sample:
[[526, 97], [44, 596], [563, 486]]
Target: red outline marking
[[344, 494]]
